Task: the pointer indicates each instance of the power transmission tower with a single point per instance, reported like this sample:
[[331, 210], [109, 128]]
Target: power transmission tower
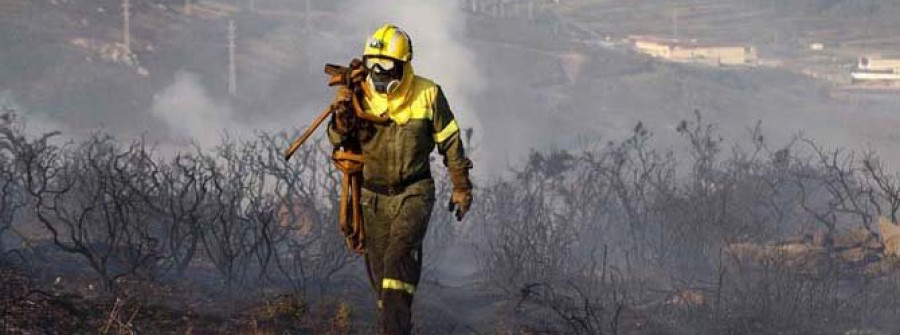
[[308, 22], [232, 66], [675, 23], [126, 15], [531, 10], [308, 34]]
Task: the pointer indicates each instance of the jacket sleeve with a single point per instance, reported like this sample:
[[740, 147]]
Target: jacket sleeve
[[447, 135]]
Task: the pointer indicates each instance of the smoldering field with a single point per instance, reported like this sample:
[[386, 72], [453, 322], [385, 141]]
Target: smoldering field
[[604, 203]]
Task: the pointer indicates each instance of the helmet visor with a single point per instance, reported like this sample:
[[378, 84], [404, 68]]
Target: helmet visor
[[379, 65]]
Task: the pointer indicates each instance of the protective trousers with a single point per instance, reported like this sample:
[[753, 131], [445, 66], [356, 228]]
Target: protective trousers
[[395, 227]]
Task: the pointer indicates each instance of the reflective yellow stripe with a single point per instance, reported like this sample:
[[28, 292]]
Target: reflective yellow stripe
[[449, 130], [393, 284]]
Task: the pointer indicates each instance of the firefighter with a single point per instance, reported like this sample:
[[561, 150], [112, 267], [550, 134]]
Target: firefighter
[[398, 190]]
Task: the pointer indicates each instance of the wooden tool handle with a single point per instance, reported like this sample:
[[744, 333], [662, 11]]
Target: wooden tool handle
[[306, 134]]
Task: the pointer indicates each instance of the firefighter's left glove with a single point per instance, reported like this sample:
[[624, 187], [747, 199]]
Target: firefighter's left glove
[[461, 197], [342, 112]]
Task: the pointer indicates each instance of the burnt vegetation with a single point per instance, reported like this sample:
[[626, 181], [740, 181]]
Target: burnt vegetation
[[618, 238], [719, 240]]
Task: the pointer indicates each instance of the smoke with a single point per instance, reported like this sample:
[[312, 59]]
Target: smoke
[[280, 80], [35, 124], [190, 113]]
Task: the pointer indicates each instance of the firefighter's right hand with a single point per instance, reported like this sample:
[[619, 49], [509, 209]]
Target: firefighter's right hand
[[341, 109]]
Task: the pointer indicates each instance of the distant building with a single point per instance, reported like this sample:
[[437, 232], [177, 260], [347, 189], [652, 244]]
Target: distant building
[[879, 63], [693, 52], [877, 69]]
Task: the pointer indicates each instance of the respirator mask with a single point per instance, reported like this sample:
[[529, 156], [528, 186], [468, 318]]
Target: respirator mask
[[385, 74]]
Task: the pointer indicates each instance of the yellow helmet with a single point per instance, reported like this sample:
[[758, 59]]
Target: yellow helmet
[[389, 41]]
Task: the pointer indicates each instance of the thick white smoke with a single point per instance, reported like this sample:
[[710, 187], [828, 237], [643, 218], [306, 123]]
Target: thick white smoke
[[437, 29], [191, 113]]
